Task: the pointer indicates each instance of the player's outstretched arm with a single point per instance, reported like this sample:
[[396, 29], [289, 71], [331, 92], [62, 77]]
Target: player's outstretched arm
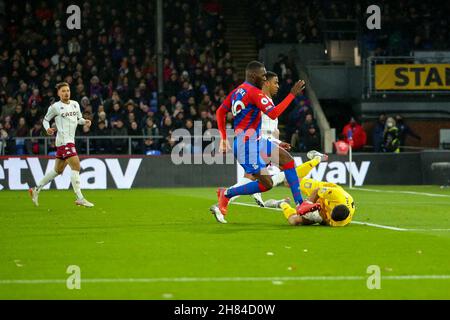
[[275, 111]]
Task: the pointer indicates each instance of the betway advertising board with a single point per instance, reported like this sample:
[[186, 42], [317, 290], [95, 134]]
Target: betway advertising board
[[112, 172]]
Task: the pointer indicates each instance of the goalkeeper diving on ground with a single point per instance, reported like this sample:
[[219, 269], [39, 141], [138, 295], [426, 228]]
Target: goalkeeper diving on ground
[[337, 206]]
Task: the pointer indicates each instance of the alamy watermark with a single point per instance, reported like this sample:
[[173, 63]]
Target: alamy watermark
[[74, 20], [374, 280], [74, 280], [374, 20], [195, 146]]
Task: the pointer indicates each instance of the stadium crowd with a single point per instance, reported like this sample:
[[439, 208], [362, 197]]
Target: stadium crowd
[[406, 24], [110, 65]]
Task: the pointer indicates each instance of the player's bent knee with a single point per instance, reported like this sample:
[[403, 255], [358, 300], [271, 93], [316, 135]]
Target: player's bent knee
[[267, 184]]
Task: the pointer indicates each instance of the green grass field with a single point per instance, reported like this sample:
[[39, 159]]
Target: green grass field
[[164, 244]]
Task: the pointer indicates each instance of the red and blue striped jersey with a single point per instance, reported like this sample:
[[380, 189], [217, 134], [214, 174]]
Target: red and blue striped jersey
[[246, 103]]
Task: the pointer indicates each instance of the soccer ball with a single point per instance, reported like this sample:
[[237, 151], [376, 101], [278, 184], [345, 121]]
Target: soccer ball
[[313, 216]]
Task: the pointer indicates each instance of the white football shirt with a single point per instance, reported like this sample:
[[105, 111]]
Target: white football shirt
[[67, 118], [268, 126]]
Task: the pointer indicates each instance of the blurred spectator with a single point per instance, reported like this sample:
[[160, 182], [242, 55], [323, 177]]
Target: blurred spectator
[[358, 134], [391, 141], [404, 130], [18, 113], [83, 143], [284, 68], [168, 144], [3, 139], [9, 108], [36, 145], [105, 68], [378, 133], [167, 127], [102, 146], [311, 140], [5, 136], [150, 147], [296, 118], [299, 137], [151, 129], [136, 144], [32, 116], [22, 131], [118, 129]]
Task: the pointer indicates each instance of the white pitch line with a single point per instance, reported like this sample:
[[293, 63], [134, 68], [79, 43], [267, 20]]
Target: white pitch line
[[225, 279], [353, 222], [254, 205], [379, 226], [405, 192]]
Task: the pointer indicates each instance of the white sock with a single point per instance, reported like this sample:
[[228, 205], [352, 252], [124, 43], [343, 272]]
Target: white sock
[[278, 178], [75, 178], [46, 179]]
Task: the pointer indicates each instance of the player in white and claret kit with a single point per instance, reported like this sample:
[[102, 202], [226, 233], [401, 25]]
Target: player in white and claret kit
[[269, 130], [67, 116]]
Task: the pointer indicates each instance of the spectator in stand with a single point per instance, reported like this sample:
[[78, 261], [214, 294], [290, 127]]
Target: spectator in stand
[[119, 145], [150, 147], [151, 129], [167, 127], [6, 136], [311, 140], [358, 134], [17, 115], [391, 141], [378, 133], [22, 131], [298, 138], [36, 145], [9, 108], [296, 118], [35, 99], [284, 68], [33, 116], [404, 130], [102, 146], [136, 144]]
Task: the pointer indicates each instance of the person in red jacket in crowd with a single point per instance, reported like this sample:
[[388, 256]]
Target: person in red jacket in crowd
[[358, 134]]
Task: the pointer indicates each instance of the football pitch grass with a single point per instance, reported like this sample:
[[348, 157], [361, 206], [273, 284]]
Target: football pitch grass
[[165, 244]]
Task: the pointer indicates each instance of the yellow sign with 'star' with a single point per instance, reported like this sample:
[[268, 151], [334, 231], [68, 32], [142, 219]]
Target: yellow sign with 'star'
[[412, 77]]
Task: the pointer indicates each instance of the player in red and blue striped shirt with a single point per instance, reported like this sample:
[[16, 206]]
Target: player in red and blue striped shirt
[[246, 103]]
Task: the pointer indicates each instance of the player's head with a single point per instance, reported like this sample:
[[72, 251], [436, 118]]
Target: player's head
[[271, 85], [255, 73], [340, 213], [63, 90]]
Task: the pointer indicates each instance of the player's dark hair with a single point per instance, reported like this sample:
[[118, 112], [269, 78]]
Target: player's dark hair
[[270, 75], [253, 66], [340, 213], [61, 84]]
